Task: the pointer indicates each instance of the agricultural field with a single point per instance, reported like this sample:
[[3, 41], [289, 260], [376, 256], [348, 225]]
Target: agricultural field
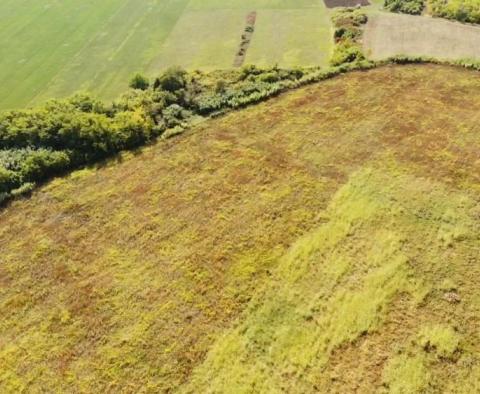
[[324, 241], [273, 228], [393, 34], [53, 48]]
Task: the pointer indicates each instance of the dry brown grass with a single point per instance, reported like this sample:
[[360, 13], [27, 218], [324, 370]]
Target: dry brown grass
[[122, 278]]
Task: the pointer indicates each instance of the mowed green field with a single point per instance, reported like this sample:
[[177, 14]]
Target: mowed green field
[[51, 48]]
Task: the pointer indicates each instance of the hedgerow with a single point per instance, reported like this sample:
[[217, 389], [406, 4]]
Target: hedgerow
[[36, 144], [348, 23], [461, 10]]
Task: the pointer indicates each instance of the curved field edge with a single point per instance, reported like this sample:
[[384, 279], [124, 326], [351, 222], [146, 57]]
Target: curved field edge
[[247, 251], [40, 143], [101, 45]]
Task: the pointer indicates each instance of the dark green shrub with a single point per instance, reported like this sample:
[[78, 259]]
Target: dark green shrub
[[346, 17], [346, 52], [347, 33], [43, 164], [269, 77], [175, 115], [8, 180], [293, 74], [462, 10], [249, 70], [172, 80], [131, 129], [220, 86], [140, 82], [207, 103], [30, 165], [86, 103], [413, 7]]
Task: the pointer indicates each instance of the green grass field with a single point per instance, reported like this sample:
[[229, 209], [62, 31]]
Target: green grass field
[[53, 48], [324, 241]]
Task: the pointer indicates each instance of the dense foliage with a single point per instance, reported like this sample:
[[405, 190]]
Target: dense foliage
[[467, 11], [139, 81], [348, 33], [413, 7], [38, 143], [460, 10]]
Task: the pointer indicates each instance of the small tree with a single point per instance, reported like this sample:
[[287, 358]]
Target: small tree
[[86, 103], [156, 84], [139, 82], [220, 86], [172, 79]]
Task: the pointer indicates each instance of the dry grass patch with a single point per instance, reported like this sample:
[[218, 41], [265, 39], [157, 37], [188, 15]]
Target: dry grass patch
[[151, 273]]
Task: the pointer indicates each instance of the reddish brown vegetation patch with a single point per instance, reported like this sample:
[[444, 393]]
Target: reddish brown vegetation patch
[[154, 245], [246, 38]]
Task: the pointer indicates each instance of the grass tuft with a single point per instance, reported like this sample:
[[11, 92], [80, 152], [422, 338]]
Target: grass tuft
[[442, 340]]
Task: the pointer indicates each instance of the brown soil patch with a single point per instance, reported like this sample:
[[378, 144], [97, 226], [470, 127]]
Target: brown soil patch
[[357, 367]]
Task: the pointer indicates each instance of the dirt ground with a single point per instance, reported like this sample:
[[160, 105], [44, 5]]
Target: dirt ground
[[393, 34]]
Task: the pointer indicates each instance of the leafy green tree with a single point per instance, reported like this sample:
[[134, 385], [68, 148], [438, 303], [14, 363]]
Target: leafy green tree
[[172, 80], [140, 82], [86, 103]]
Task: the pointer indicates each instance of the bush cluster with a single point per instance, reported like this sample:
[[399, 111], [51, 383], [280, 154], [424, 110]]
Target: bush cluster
[[412, 7], [467, 11], [39, 143], [346, 51], [348, 33], [251, 85], [36, 144]]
